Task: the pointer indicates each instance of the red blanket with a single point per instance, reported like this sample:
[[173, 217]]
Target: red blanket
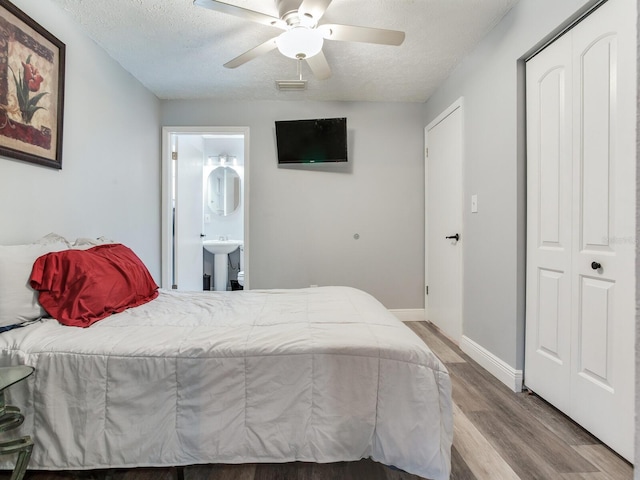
[[80, 287]]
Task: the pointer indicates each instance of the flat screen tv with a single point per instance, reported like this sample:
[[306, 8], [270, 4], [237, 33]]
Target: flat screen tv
[[311, 141]]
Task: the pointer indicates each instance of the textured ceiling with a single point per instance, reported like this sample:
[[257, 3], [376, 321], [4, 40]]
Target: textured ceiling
[[177, 50]]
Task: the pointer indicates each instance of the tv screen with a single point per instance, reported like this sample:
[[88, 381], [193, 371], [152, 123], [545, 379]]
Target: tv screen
[[312, 141]]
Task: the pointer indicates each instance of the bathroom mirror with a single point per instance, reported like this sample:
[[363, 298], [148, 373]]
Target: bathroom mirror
[[223, 191]]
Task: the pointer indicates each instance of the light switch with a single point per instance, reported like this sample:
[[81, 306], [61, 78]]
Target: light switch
[[207, 218], [474, 203]]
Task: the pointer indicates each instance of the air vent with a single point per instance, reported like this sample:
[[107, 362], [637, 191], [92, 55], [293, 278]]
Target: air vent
[[291, 85]]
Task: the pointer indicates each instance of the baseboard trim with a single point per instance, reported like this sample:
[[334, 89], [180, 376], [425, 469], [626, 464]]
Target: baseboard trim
[[508, 375], [409, 314]]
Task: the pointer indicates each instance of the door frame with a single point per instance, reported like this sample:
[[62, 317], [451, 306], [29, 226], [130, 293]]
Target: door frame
[[166, 260], [458, 104]]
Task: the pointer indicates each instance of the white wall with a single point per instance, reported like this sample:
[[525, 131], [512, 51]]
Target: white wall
[[492, 83], [302, 221], [110, 179]]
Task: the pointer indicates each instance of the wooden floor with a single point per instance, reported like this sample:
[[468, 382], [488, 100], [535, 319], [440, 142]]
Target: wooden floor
[[497, 435]]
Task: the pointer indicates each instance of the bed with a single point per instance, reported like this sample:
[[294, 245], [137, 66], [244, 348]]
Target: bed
[[320, 375]]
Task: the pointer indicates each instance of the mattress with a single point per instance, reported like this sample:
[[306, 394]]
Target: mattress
[[320, 375]]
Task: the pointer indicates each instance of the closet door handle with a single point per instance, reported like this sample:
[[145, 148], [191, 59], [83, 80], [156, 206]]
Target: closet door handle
[[596, 265], [451, 237]]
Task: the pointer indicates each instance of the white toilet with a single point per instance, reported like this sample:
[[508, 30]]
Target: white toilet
[[241, 272]]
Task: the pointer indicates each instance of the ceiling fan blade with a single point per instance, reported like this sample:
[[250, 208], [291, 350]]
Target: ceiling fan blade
[[253, 53], [351, 33], [314, 8], [245, 13], [319, 66]]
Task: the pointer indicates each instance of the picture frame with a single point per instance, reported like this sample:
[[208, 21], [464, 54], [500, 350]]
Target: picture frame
[[32, 68]]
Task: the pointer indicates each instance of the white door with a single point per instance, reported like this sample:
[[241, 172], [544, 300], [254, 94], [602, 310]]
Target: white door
[[443, 210], [581, 224], [604, 223], [188, 212], [549, 224]]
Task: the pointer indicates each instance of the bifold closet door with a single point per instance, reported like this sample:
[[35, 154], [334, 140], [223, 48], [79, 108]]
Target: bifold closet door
[[581, 223], [549, 223]]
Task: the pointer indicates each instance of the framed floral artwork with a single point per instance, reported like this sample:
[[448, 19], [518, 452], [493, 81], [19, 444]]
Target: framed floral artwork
[[31, 89]]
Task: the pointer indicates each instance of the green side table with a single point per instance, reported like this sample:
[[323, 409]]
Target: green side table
[[10, 418]]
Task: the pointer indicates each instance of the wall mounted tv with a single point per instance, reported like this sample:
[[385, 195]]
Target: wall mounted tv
[[311, 141]]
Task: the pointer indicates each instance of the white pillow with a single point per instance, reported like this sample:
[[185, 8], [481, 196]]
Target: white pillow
[[18, 301], [53, 239], [82, 243]]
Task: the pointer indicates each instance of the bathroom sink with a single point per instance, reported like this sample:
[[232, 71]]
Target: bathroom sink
[[221, 247], [221, 250]]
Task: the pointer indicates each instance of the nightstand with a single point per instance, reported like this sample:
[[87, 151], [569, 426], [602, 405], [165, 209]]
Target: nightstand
[[10, 418]]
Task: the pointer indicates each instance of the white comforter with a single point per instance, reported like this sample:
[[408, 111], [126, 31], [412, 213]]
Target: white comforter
[[321, 375]]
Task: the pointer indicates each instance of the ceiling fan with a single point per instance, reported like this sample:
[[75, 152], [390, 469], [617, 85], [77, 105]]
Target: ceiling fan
[[303, 37]]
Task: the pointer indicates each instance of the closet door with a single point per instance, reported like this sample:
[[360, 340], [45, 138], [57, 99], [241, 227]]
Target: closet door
[[581, 223], [549, 226], [604, 99]]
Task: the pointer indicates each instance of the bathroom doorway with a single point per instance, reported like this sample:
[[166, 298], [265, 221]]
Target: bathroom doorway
[[198, 205]]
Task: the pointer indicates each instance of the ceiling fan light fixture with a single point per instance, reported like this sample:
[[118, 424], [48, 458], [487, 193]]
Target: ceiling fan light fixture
[[300, 42]]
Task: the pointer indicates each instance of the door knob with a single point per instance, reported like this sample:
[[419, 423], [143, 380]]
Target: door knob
[[596, 265], [451, 237], [202, 235]]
